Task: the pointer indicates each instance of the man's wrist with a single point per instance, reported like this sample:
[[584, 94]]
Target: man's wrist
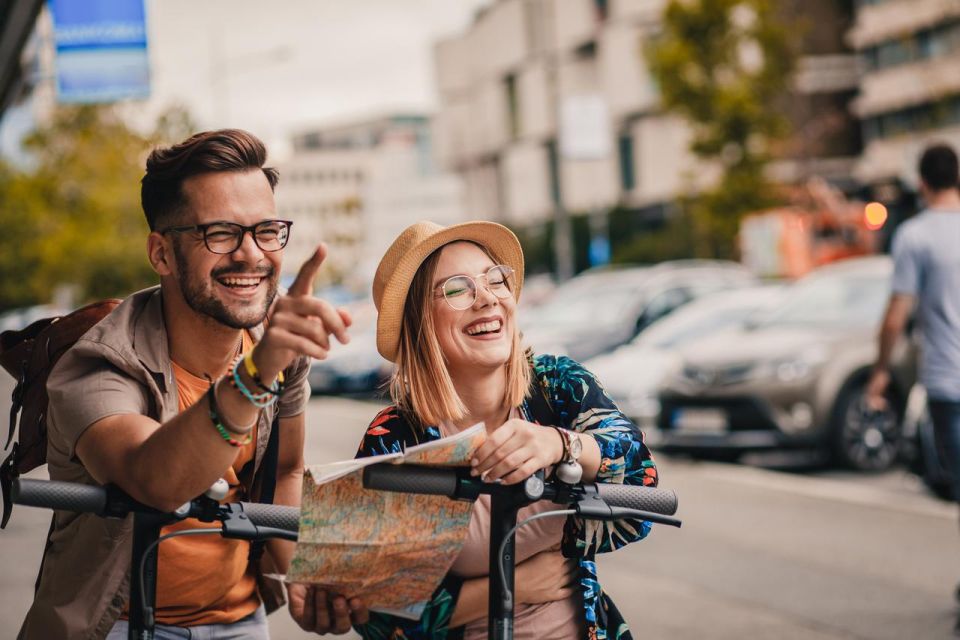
[[266, 372]]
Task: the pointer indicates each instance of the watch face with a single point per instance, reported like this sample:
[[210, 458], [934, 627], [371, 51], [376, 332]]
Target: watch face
[[575, 446]]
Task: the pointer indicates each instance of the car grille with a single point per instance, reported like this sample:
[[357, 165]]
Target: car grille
[[743, 414], [717, 376]]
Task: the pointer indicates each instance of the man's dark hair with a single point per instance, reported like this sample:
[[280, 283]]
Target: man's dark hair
[[938, 168], [161, 195]]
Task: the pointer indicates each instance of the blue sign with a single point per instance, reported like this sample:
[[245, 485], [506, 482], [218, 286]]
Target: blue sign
[[101, 50], [599, 253]]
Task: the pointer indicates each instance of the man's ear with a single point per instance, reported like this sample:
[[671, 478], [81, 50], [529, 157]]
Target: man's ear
[[160, 254]]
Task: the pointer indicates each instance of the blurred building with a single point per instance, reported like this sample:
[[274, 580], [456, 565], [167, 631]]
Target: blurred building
[[355, 186], [910, 87], [548, 99]]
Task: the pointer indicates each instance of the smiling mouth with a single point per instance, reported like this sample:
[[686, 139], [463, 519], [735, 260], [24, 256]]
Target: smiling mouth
[[241, 283], [484, 328]]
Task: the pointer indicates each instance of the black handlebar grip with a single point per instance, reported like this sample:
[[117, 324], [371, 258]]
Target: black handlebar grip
[[273, 515], [663, 501], [65, 496], [410, 479]]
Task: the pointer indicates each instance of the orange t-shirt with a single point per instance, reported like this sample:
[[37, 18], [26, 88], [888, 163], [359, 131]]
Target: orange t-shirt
[[206, 579]]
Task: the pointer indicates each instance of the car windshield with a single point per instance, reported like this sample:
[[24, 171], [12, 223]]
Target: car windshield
[[844, 300], [694, 321], [580, 306]]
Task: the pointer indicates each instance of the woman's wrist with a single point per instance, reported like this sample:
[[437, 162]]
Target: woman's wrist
[[560, 446]]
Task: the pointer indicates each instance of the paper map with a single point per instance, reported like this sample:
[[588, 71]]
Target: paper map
[[391, 549]]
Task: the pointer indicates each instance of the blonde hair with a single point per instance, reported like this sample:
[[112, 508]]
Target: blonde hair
[[421, 383]]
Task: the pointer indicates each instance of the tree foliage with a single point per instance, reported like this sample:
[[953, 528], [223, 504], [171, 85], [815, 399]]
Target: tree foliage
[[724, 65], [73, 217]]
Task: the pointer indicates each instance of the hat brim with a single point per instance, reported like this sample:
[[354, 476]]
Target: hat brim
[[496, 238]]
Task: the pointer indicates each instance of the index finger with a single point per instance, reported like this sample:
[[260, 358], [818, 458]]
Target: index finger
[[303, 283]]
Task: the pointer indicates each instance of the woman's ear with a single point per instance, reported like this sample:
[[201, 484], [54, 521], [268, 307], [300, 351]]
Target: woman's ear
[[160, 254]]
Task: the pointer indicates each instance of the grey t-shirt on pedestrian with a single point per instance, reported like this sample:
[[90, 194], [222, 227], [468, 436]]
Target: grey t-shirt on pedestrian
[[926, 254]]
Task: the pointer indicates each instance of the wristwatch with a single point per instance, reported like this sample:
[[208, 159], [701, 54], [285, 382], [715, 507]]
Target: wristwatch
[[569, 469]]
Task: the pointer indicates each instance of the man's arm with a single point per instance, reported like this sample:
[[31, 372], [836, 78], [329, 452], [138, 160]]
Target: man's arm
[[166, 465], [159, 465], [894, 324]]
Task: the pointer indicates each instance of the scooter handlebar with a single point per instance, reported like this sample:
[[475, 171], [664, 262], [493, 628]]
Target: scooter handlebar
[[663, 501], [272, 515], [64, 496], [410, 479]]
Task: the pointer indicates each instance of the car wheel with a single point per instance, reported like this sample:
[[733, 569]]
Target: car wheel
[[864, 439]]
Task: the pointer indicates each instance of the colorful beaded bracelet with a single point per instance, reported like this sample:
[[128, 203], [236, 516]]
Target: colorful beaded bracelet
[[259, 400], [218, 424], [251, 368]]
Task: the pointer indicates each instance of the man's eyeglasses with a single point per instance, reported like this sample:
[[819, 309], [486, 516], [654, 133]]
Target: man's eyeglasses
[[460, 292], [226, 237]]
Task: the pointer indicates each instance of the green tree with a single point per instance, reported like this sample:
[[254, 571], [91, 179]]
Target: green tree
[[724, 65], [73, 216]]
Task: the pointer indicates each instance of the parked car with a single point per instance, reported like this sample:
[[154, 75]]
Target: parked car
[[601, 309], [795, 378], [633, 373], [355, 367], [17, 319]]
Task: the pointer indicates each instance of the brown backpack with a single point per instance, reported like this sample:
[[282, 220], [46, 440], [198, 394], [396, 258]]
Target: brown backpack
[[29, 355]]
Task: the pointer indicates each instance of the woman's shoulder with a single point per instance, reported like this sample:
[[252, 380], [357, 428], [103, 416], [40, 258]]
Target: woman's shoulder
[[391, 430], [558, 367]]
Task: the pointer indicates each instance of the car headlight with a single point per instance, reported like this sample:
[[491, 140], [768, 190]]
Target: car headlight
[[799, 367]]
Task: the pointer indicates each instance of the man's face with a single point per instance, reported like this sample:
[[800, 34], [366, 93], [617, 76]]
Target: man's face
[[235, 289]]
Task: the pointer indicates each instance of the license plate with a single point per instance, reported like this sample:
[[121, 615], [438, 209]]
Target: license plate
[[700, 420]]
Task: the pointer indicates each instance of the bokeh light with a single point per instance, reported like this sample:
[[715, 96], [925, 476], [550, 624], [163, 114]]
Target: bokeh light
[[875, 215]]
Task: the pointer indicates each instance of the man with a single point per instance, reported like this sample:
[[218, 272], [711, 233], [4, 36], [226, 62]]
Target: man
[[927, 275], [131, 404]]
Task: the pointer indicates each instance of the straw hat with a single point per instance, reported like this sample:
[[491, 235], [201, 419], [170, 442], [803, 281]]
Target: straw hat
[[407, 253]]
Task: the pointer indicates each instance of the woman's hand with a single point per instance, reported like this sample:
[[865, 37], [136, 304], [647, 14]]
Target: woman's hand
[[545, 577], [516, 450]]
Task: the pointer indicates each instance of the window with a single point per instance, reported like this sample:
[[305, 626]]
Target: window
[[513, 107], [628, 179]]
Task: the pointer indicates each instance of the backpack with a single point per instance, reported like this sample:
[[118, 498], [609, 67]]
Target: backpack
[[29, 355]]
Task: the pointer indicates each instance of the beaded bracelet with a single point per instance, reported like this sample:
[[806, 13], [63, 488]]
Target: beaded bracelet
[[251, 368], [259, 400], [218, 424]]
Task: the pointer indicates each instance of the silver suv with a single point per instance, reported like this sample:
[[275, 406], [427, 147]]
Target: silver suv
[[795, 377]]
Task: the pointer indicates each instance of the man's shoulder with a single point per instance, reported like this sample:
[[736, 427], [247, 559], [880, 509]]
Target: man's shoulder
[[110, 343]]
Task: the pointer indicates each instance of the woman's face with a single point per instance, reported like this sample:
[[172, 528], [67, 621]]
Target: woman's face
[[482, 334]]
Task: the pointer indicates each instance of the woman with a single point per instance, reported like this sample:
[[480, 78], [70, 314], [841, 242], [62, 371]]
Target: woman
[[447, 300]]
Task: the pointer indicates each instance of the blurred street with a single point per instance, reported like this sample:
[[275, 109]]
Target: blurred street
[[762, 554]]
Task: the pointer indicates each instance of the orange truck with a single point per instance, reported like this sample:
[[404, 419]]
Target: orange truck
[[790, 241]]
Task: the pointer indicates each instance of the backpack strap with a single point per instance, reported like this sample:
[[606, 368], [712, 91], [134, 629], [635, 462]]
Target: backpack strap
[[268, 484]]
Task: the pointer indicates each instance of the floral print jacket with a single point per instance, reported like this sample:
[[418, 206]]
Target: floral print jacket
[[578, 403]]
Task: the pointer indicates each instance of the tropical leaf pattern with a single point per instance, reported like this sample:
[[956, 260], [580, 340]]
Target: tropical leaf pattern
[[578, 403]]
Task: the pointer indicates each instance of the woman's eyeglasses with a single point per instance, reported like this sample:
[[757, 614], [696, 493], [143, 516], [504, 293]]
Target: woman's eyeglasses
[[226, 237], [460, 292]]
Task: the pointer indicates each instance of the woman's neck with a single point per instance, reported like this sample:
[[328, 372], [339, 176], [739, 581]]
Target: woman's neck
[[482, 392]]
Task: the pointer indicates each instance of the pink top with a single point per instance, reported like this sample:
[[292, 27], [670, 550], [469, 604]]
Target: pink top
[[558, 620]]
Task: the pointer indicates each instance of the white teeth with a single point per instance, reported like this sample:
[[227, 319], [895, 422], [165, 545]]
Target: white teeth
[[241, 282], [483, 327]]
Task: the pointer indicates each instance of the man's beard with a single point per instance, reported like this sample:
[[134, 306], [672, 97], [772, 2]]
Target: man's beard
[[199, 297]]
